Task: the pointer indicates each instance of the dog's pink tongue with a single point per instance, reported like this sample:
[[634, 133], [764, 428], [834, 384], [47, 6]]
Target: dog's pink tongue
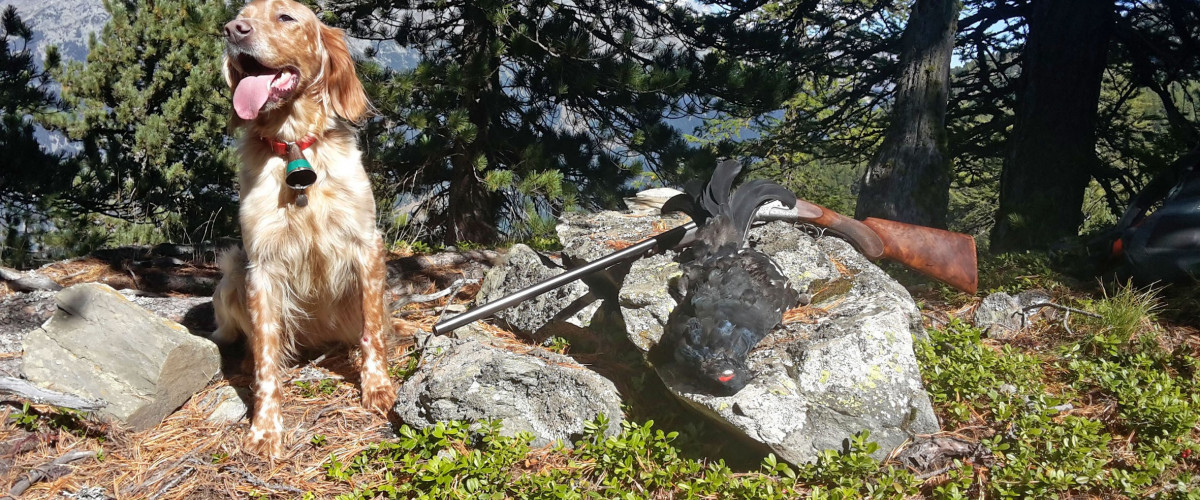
[[250, 95]]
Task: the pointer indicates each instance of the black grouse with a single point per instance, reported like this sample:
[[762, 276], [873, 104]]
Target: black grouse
[[733, 295]]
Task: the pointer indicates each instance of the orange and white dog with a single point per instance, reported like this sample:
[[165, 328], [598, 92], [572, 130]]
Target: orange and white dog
[[311, 270]]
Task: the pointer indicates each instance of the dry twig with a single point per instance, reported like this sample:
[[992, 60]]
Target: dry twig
[[23, 389], [250, 478], [1066, 313], [43, 471], [173, 482]]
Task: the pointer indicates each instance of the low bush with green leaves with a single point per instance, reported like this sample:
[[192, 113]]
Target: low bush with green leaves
[[1105, 411], [461, 460], [1108, 412]]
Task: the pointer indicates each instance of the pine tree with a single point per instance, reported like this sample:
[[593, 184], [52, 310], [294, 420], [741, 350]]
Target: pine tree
[[521, 109], [29, 176], [149, 112]]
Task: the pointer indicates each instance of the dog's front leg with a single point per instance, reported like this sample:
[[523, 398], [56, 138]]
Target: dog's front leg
[[377, 392], [265, 303]]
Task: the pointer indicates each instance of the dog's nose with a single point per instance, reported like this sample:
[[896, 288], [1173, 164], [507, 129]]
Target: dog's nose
[[237, 30]]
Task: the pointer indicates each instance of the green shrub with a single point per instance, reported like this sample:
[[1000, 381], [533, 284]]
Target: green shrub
[[1042, 452]]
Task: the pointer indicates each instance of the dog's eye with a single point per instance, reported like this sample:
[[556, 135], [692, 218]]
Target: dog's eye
[[284, 18]]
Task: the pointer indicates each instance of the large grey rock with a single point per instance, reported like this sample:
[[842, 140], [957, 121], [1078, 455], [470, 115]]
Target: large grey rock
[[571, 303], [594, 235], [100, 345], [579, 303], [645, 304], [544, 393], [849, 367]]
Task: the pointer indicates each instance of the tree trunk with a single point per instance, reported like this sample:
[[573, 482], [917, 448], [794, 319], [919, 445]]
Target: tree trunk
[[908, 180], [472, 206], [1053, 144]]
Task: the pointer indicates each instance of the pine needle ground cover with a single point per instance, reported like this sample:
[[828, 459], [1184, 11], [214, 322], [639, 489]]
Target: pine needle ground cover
[[1075, 407]]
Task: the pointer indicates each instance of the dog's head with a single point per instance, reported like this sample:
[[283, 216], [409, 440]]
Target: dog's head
[[278, 53]]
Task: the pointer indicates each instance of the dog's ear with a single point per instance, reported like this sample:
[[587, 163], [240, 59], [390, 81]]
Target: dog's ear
[[232, 78], [344, 91]]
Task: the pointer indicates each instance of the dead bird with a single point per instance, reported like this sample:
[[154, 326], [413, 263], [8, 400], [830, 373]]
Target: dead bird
[[733, 295]]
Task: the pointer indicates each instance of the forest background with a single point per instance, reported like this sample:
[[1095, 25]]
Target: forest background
[[1028, 124], [1025, 123]]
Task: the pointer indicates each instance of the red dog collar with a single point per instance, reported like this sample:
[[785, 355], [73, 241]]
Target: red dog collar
[[280, 147]]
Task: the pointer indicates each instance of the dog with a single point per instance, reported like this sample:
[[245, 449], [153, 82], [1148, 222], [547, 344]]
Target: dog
[[311, 268]]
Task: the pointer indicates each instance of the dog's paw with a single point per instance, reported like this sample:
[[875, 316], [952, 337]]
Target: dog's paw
[[379, 396], [264, 442]]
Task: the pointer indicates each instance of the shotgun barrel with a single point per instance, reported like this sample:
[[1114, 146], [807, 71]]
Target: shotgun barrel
[[657, 243]]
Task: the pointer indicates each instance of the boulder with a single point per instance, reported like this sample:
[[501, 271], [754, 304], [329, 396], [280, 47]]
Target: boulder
[[99, 345], [1002, 316], [843, 365], [526, 389], [571, 303], [595, 235]]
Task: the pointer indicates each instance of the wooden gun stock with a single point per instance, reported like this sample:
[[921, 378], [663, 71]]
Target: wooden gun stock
[[943, 255]]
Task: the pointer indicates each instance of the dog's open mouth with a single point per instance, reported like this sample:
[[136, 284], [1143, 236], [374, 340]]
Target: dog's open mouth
[[260, 86]]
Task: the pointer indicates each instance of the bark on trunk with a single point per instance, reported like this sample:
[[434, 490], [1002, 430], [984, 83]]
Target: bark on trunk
[[1053, 144], [472, 206], [908, 180]]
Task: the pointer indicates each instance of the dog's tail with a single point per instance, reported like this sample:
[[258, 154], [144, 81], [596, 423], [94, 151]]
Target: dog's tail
[[229, 301]]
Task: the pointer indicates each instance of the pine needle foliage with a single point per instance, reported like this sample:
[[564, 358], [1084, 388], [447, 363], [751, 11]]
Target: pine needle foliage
[[149, 112]]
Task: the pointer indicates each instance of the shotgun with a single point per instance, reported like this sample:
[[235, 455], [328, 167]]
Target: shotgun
[[946, 256]]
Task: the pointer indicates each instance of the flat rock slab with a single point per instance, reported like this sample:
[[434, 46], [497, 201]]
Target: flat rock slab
[[533, 390], [99, 345]]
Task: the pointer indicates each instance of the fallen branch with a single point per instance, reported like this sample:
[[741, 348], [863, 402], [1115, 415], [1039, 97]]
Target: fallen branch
[[444, 259], [28, 282], [24, 389], [173, 482], [1040, 305], [162, 472], [419, 298], [43, 471], [260, 483], [1066, 314]]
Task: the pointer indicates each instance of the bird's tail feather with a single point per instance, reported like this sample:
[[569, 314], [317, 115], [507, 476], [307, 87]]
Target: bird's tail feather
[[744, 203], [688, 202], [716, 195], [702, 201], [717, 199]]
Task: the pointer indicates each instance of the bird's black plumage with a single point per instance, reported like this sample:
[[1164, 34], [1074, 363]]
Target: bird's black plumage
[[732, 296]]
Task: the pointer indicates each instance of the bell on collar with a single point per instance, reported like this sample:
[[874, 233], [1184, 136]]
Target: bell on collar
[[300, 174]]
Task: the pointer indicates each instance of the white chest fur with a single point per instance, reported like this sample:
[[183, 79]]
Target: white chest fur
[[317, 248]]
